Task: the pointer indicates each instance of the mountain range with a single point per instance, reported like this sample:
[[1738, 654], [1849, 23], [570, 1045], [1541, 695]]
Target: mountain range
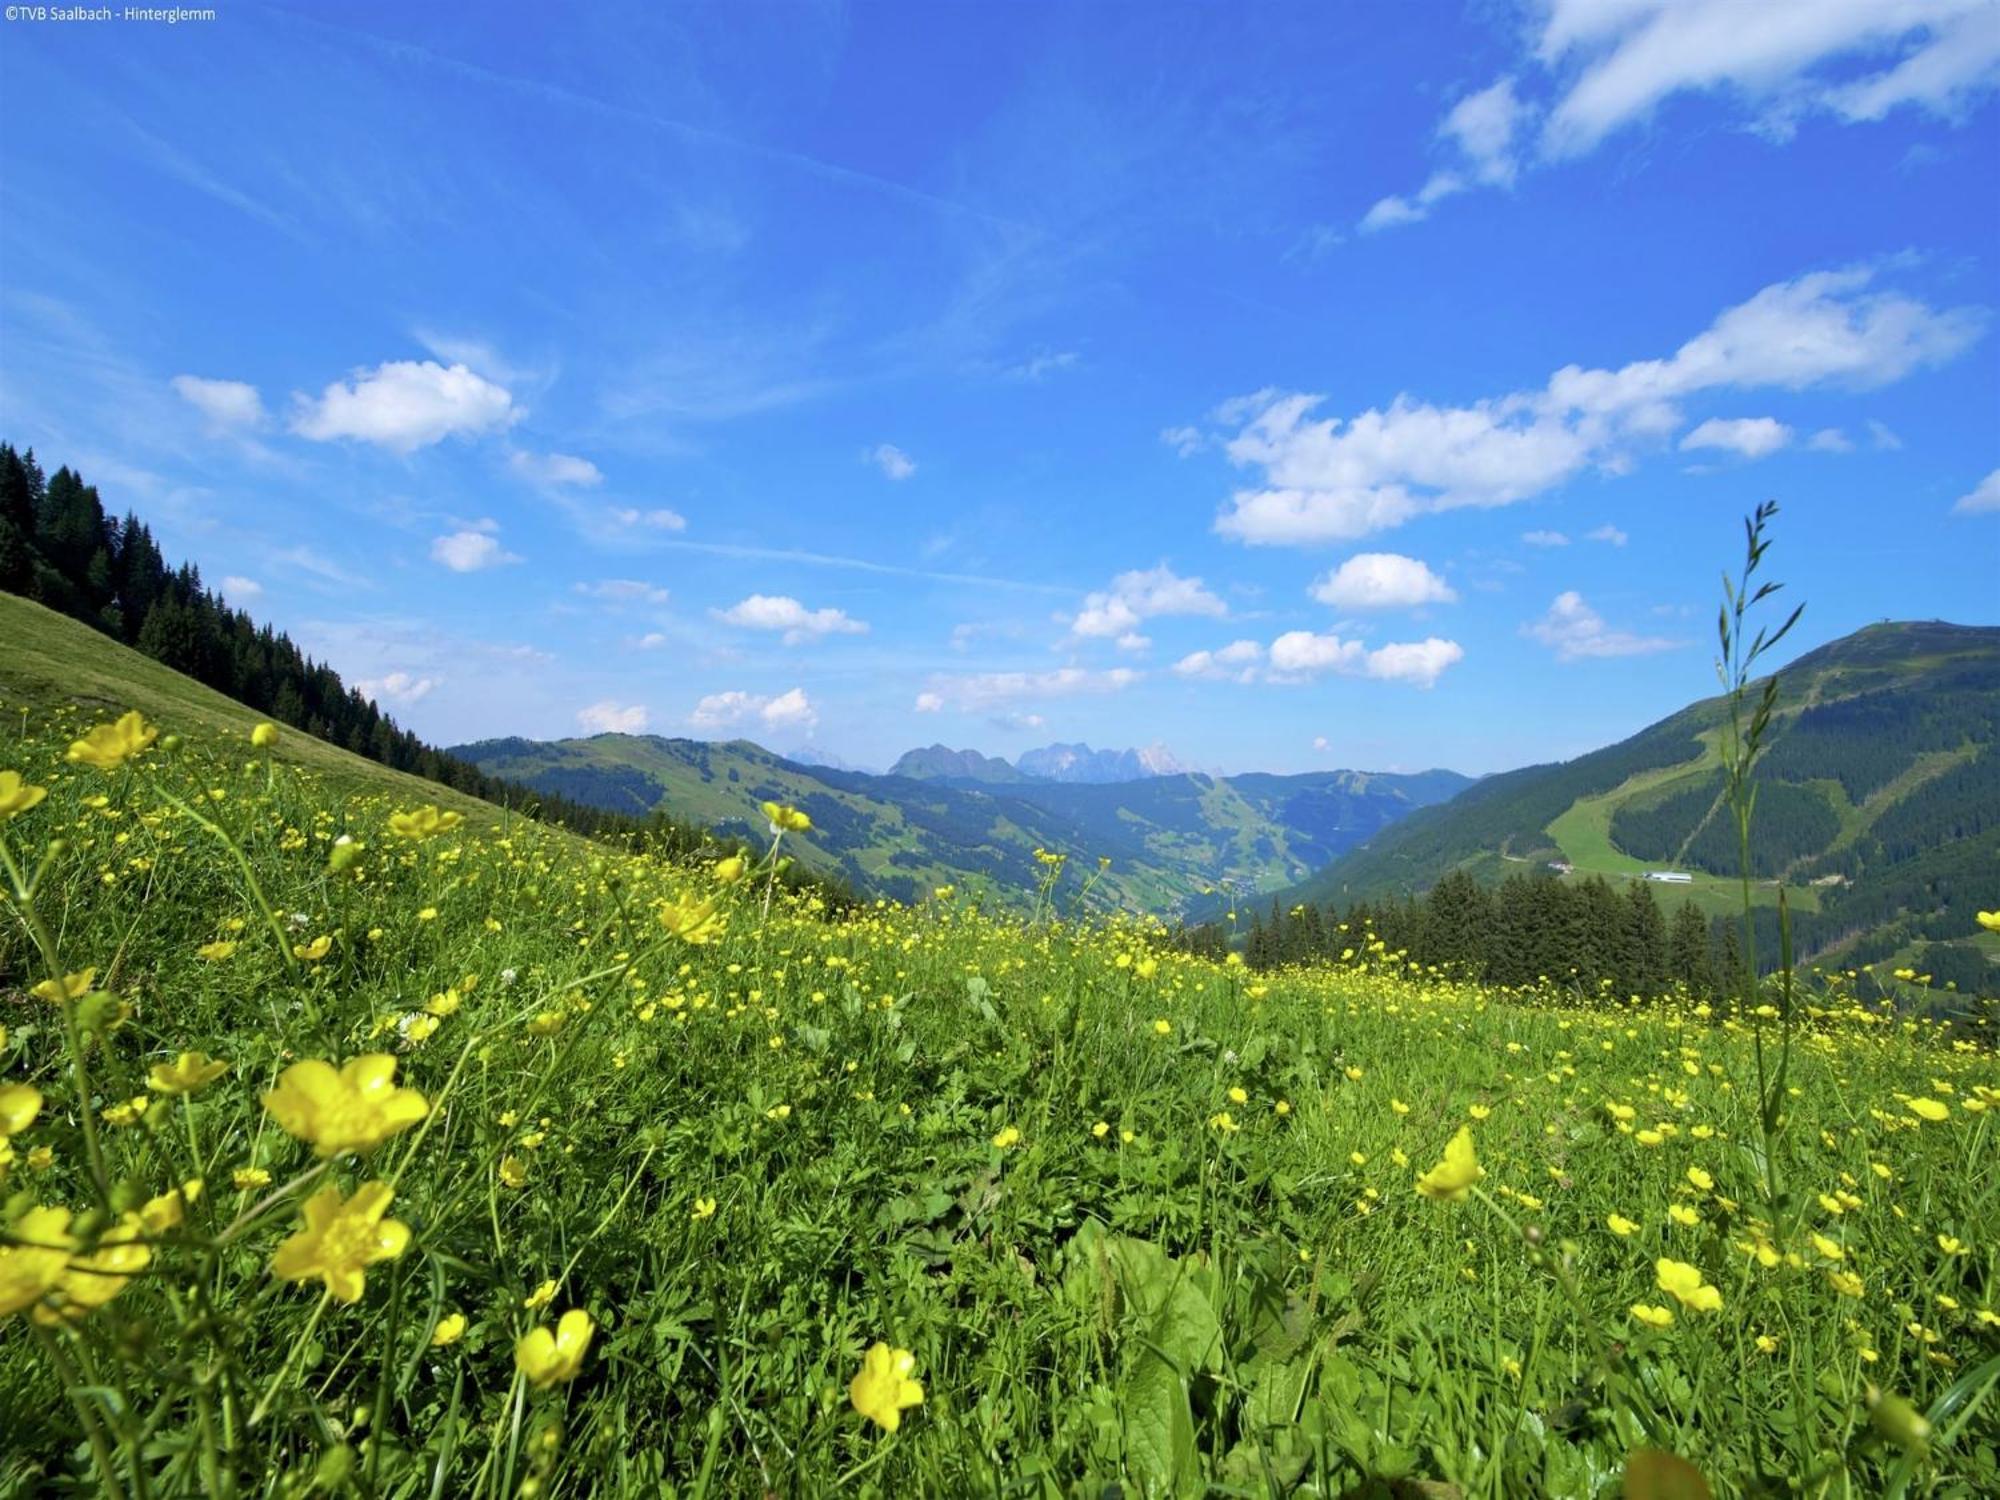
[[1076, 765], [1878, 805], [956, 817]]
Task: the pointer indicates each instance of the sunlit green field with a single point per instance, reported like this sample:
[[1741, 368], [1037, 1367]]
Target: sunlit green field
[[1126, 1221]]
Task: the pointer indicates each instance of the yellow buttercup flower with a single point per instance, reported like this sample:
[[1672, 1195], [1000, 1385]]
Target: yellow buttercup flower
[[704, 1208], [1007, 1136], [1452, 1178], [692, 921], [541, 1296], [785, 819], [1930, 1109], [512, 1173], [33, 1257], [314, 951], [1683, 1283], [732, 869], [69, 987], [109, 746], [90, 1281], [16, 796], [424, 823], [354, 1109], [449, 1330], [884, 1390], [264, 736], [186, 1074], [247, 1179], [217, 951], [546, 1357], [342, 1237], [1652, 1317], [1990, 920], [19, 1104], [1621, 1226]]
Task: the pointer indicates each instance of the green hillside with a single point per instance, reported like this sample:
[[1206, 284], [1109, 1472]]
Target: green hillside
[[1168, 838], [51, 662], [1879, 806]]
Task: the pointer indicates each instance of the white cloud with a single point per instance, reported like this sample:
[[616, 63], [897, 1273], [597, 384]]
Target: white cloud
[[1748, 437], [239, 588], [1882, 437], [1636, 53], [1039, 366], [1141, 594], [1298, 655], [471, 549], [402, 688], [983, 690], [779, 612], [1830, 440], [788, 710], [228, 405], [652, 640], [658, 520], [555, 470], [609, 717], [1610, 535], [1982, 498], [624, 591], [1382, 580], [1479, 137], [1574, 630], [892, 461], [1545, 538], [1239, 661], [1321, 742], [404, 405], [1185, 441], [1326, 479], [1600, 66], [1131, 640]]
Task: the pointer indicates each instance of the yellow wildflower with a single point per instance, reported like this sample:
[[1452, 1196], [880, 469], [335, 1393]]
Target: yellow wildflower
[[16, 796], [1683, 1283], [884, 1390], [354, 1109], [109, 746], [449, 1330], [342, 1237], [33, 1257], [1452, 1178], [186, 1074], [426, 822], [546, 1357]]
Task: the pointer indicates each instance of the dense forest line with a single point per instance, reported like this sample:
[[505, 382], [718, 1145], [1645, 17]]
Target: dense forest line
[[60, 548], [1531, 927]]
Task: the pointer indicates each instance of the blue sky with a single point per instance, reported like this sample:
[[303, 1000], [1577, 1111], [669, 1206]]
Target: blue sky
[[1299, 386]]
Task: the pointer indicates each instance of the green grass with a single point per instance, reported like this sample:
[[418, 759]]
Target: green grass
[[52, 662], [1583, 834], [1212, 1294]]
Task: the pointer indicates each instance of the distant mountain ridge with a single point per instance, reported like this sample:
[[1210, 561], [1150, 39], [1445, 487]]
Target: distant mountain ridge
[[1072, 764], [974, 821]]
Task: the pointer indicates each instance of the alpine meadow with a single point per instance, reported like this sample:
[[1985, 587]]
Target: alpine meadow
[[715, 781]]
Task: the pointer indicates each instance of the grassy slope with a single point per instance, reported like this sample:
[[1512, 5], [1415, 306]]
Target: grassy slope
[[51, 660]]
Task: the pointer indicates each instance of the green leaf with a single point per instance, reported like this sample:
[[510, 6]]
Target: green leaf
[[1159, 1429]]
